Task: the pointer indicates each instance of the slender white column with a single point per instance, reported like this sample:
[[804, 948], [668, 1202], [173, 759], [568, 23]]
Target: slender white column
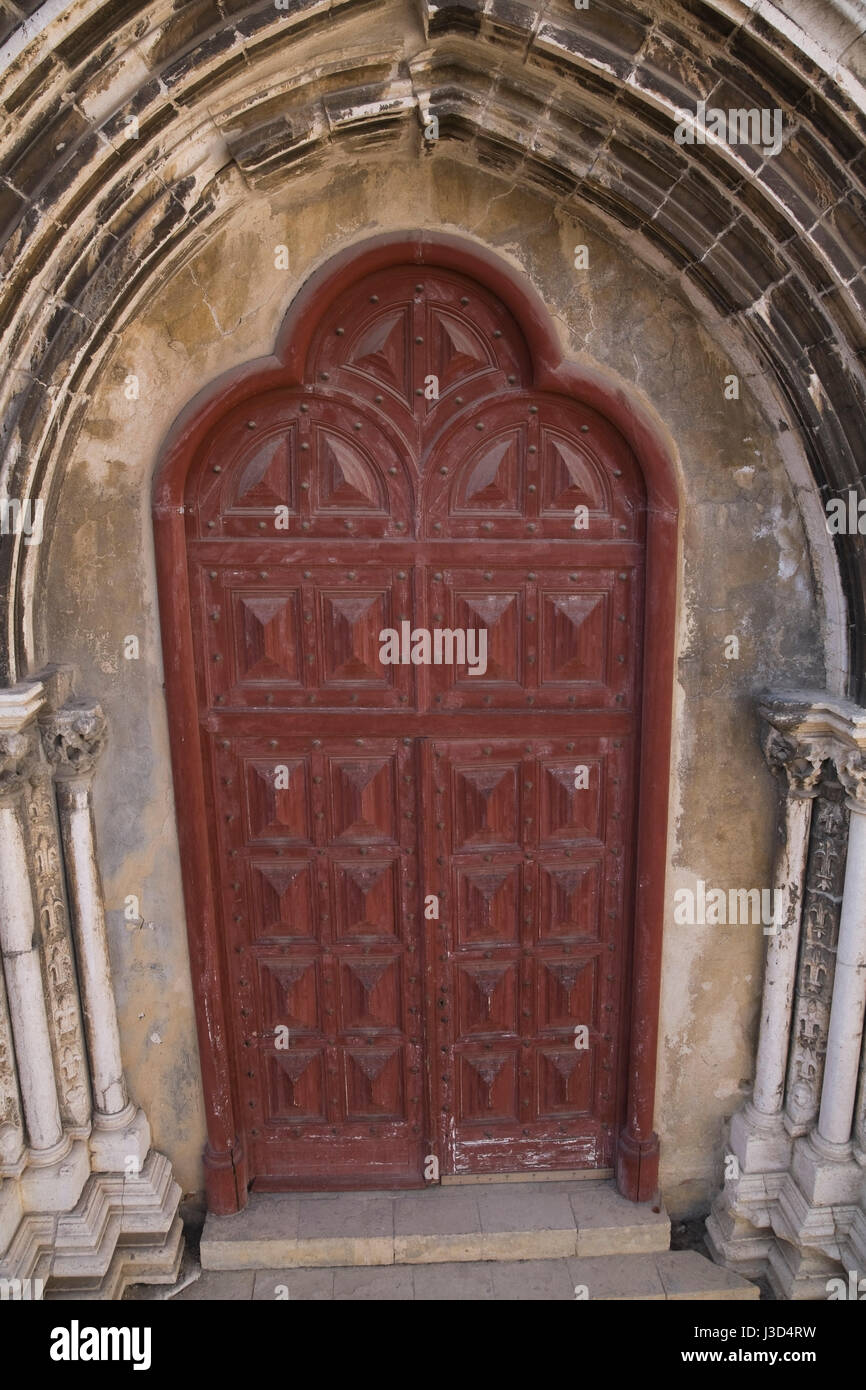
[[73, 739], [802, 766], [849, 985], [11, 1125], [19, 945], [860, 1114]]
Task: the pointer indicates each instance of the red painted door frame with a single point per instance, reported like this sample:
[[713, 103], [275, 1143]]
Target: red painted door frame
[[637, 1144]]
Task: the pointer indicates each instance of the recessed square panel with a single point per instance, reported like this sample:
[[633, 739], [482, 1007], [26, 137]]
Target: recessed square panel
[[296, 1086], [363, 798], [566, 992], [487, 994], [488, 902], [487, 1086], [277, 795], [285, 897], [370, 993], [486, 805], [373, 1079], [290, 994], [267, 638], [496, 621], [574, 637], [367, 897], [564, 1082], [569, 900], [570, 813], [350, 623]]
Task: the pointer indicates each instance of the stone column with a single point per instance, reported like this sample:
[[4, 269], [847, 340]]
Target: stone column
[[73, 739], [11, 1126], [849, 986], [757, 1131], [860, 1113], [56, 1169]]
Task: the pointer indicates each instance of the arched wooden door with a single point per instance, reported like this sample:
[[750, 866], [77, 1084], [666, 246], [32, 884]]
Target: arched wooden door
[[422, 875]]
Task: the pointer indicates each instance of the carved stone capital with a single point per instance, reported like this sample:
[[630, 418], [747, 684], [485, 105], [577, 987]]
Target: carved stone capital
[[73, 738], [18, 757], [851, 770], [801, 760]]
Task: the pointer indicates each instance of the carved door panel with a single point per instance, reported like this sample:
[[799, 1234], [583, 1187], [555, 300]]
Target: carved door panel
[[322, 934], [531, 947], [346, 791]]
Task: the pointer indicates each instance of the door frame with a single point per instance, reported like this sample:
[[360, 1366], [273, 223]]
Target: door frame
[[637, 1149]]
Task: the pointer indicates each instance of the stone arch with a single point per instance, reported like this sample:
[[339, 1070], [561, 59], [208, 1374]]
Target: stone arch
[[772, 246]]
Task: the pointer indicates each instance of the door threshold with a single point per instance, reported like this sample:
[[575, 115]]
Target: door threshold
[[561, 1175]]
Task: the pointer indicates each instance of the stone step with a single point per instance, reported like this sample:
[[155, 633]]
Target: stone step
[[672, 1274], [498, 1221]]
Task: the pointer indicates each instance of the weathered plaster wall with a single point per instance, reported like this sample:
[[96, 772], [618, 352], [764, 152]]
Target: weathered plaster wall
[[745, 571]]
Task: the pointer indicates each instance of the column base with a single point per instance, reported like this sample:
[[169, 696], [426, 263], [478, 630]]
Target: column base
[[119, 1143], [826, 1174], [760, 1142], [637, 1167], [225, 1179], [11, 1212], [121, 1231], [56, 1185]]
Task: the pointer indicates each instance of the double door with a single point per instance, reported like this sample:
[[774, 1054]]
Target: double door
[[424, 872]]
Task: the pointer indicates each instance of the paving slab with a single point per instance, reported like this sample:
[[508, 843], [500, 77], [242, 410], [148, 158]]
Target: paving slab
[[384, 1285], [608, 1223], [532, 1280], [302, 1285], [227, 1286], [685, 1274], [453, 1283], [609, 1278]]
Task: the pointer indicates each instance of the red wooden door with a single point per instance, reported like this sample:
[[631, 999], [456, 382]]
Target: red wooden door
[[416, 477]]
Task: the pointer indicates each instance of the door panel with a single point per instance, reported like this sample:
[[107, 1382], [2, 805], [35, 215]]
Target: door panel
[[323, 937], [530, 946]]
